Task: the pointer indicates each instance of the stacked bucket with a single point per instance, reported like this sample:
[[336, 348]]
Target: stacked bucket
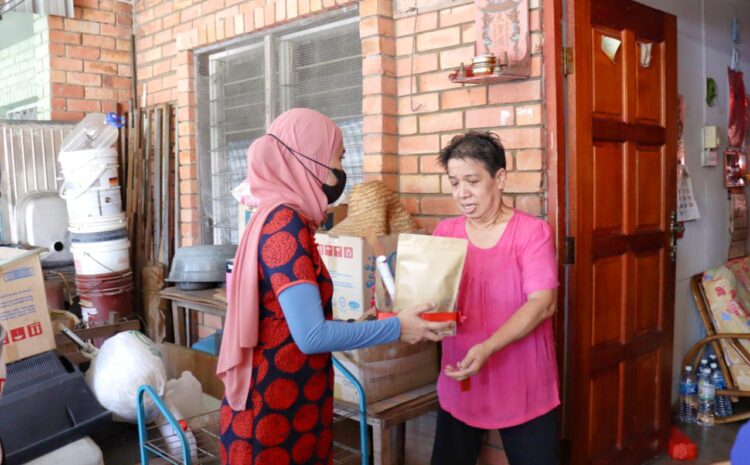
[[97, 224]]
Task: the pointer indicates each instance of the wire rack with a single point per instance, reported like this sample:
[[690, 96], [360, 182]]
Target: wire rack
[[176, 448]]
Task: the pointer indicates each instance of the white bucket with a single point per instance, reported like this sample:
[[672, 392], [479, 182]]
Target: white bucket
[[85, 169], [91, 258], [95, 202], [96, 225]]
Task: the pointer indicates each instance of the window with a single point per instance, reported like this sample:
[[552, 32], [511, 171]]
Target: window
[[243, 87]]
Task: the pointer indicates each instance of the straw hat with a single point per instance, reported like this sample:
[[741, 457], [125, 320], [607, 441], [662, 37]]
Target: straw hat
[[373, 208]]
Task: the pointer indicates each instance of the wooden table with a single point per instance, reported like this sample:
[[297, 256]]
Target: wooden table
[[388, 420], [387, 417], [183, 302]]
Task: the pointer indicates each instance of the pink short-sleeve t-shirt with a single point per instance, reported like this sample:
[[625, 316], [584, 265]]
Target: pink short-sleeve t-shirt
[[518, 383]]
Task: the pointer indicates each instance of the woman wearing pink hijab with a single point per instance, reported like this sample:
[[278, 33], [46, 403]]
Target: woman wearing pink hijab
[[275, 358]]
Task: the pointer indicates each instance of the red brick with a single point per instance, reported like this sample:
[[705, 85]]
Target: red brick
[[531, 204], [378, 45], [374, 85], [83, 105], [411, 204], [428, 164], [379, 65], [97, 16], [419, 144], [468, 34], [434, 81], [465, 97], [536, 43], [189, 171], [120, 32], [441, 38], [381, 163], [535, 23], [85, 53], [409, 65], [407, 125], [189, 201], [55, 23], [443, 121], [125, 71], [90, 40], [152, 27], [67, 90], [380, 143], [152, 55], [99, 93], [209, 6], [57, 50], [379, 104], [124, 20], [425, 22], [457, 15], [529, 160], [375, 25], [58, 76], [86, 27], [489, 117], [303, 7], [189, 186], [191, 13], [520, 138], [61, 37], [115, 56], [171, 20], [380, 124], [291, 9], [529, 114], [375, 7], [450, 59], [187, 156], [408, 164], [190, 229], [447, 137], [66, 64], [422, 103], [84, 79], [442, 206], [316, 5], [513, 92], [419, 184], [404, 45], [66, 115], [523, 181], [169, 82]]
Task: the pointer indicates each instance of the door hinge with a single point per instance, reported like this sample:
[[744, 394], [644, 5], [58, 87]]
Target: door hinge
[[567, 61], [569, 256]]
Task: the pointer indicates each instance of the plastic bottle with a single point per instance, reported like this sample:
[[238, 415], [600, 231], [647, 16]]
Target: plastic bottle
[[723, 402], [688, 396], [712, 359], [96, 130], [706, 398], [703, 366]]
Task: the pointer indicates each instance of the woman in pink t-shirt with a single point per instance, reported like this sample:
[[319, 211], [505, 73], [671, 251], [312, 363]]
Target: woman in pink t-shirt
[[499, 371]]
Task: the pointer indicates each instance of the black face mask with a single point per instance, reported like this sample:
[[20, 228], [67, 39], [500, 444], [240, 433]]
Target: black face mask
[[332, 193]]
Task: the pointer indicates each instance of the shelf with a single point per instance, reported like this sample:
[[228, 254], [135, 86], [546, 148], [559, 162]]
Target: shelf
[[486, 79]]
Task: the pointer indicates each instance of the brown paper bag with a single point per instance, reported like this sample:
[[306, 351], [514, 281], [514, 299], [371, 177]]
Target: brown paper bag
[[429, 269]]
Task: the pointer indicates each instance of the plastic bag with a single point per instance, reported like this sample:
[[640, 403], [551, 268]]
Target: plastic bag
[[186, 395], [124, 363]]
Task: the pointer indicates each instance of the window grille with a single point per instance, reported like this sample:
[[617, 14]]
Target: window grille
[[242, 87]]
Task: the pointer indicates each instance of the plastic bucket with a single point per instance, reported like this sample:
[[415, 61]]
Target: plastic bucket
[[94, 258], [96, 225], [102, 295], [94, 203], [85, 169], [78, 238]]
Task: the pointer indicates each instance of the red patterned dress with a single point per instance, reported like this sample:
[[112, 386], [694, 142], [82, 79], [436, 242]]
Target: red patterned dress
[[287, 420]]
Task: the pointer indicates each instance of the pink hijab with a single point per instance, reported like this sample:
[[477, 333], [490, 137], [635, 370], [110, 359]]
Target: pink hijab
[[277, 177]]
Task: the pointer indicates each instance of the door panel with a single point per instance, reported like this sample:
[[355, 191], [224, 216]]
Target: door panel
[[621, 193]]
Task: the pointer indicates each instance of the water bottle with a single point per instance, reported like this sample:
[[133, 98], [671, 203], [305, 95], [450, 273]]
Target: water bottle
[[723, 403], [712, 359], [706, 398], [704, 365], [688, 396], [95, 131]]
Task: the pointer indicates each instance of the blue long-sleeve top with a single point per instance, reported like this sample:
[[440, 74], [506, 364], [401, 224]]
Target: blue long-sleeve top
[[313, 334]]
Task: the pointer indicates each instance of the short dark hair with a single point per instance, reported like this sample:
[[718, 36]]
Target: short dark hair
[[481, 146]]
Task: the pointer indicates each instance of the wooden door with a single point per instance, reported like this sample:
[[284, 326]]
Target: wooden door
[[621, 177]]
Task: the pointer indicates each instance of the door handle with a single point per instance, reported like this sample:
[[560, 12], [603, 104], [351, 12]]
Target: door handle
[[676, 230]]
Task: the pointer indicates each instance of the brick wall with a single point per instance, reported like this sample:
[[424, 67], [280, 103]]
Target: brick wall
[[90, 59], [24, 76], [431, 110]]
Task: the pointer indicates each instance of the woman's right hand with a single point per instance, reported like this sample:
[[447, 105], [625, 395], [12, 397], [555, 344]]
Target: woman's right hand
[[414, 329]]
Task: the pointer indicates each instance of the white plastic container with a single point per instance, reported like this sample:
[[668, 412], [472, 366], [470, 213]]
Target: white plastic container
[[96, 202], [92, 258], [88, 168], [95, 225], [96, 130]]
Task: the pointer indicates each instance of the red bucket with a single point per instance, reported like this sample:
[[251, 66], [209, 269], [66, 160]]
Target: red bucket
[[106, 293]]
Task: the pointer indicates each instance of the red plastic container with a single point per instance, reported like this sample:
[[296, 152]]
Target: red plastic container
[[107, 293]]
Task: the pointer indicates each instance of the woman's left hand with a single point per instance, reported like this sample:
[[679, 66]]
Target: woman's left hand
[[471, 364]]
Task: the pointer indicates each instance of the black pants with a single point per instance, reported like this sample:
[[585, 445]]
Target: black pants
[[535, 442]]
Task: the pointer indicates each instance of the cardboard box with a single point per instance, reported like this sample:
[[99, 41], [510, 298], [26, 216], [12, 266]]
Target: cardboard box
[[23, 305], [351, 262], [386, 370]]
